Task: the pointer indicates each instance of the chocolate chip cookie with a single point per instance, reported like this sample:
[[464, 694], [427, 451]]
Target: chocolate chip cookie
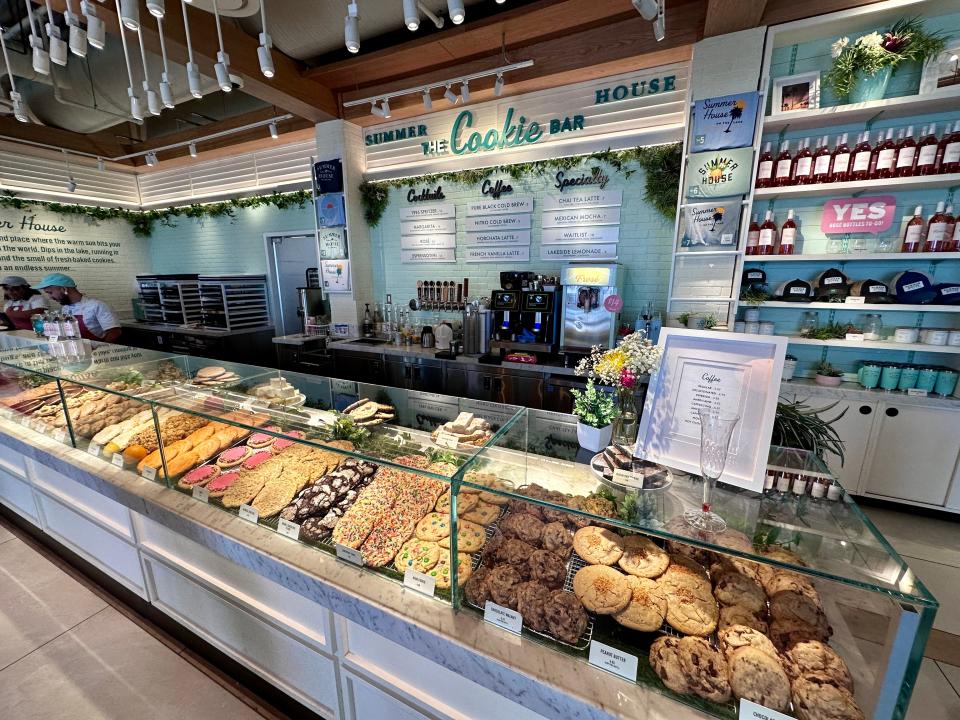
[[734, 588], [812, 657], [786, 633], [735, 637], [476, 589], [705, 669], [532, 598], [566, 618], [547, 568], [503, 581], [522, 526], [731, 615], [758, 676], [817, 697], [665, 661], [557, 538]]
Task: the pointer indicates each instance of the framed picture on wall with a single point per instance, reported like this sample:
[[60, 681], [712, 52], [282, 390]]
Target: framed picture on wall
[[796, 92]]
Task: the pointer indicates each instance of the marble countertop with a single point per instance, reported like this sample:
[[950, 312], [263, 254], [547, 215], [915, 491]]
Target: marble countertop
[[297, 339], [805, 387], [204, 331], [547, 682]]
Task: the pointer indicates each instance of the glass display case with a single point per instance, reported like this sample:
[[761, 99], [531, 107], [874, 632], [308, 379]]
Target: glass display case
[[798, 605]]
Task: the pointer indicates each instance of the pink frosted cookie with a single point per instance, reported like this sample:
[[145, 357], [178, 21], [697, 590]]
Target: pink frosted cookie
[[220, 484], [233, 457], [282, 444], [199, 476], [260, 440], [256, 460], [295, 434], [272, 428]]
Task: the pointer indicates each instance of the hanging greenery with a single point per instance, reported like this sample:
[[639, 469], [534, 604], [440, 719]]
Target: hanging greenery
[[660, 162], [143, 221]]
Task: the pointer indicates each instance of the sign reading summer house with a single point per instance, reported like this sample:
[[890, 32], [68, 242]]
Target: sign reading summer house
[[719, 174], [725, 122]]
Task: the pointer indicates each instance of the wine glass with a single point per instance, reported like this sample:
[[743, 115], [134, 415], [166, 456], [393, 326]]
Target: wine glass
[[715, 433]]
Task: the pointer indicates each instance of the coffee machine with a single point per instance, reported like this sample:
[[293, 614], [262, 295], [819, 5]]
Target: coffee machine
[[524, 319], [587, 321]]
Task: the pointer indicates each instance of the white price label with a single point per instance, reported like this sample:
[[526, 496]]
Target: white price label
[[201, 493], [613, 660], [6, 412], [288, 529], [314, 421], [150, 473], [855, 337], [851, 300], [502, 617], [419, 582], [249, 514], [447, 440], [117, 459], [94, 449], [750, 710], [630, 479], [54, 338], [60, 435], [349, 555], [246, 405], [917, 392]]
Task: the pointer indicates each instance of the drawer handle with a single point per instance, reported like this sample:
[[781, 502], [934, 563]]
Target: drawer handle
[[892, 412], [865, 409]]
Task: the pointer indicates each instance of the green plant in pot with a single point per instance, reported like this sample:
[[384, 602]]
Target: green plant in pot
[[798, 425], [595, 411], [684, 318], [827, 375]]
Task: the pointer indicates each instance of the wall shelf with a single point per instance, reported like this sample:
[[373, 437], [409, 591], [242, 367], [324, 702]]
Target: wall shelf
[[922, 182], [874, 307], [849, 257], [875, 345], [708, 253], [941, 100]]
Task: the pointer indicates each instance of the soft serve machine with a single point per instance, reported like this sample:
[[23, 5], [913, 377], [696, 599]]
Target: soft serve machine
[[586, 321]]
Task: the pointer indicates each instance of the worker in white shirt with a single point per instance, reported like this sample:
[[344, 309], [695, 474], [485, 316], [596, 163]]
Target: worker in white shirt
[[21, 301], [96, 319]]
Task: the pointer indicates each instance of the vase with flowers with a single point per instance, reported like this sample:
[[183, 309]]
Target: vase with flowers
[[862, 69], [622, 368]]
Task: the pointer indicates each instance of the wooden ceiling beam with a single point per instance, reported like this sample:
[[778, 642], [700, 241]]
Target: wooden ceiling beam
[[288, 89], [727, 16], [104, 143]]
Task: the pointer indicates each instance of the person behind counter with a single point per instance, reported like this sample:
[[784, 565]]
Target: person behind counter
[[97, 320], [21, 301]]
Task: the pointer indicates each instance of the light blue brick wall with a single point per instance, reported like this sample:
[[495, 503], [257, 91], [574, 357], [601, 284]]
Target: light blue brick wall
[[644, 248]]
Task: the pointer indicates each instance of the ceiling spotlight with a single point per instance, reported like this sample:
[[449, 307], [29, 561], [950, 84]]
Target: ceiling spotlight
[[427, 100], [465, 92], [193, 72], [222, 66], [130, 14], [136, 111], [96, 32], [193, 149], [19, 109], [411, 16], [498, 85], [156, 8], [351, 28], [450, 95], [648, 9], [153, 101], [41, 59], [501, 2], [152, 159], [101, 164], [376, 109], [266, 42], [659, 28], [166, 91], [78, 36], [274, 132], [71, 184], [58, 48], [385, 106], [456, 11]]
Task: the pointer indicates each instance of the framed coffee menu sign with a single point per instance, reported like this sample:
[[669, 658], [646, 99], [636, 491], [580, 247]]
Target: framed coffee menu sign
[[734, 374]]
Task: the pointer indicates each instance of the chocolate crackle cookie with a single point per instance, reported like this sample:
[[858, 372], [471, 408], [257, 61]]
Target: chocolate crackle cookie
[[566, 618], [547, 568]]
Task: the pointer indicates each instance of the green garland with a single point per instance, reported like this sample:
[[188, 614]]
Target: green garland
[[143, 221], [660, 162]]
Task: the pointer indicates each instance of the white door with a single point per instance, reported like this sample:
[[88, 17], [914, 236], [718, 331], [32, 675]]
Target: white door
[[854, 429], [288, 257]]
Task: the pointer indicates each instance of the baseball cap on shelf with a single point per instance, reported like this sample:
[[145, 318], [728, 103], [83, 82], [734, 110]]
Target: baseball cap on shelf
[[796, 290], [14, 281], [873, 290], [56, 279]]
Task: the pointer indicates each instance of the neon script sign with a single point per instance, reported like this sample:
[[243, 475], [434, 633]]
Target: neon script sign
[[514, 132]]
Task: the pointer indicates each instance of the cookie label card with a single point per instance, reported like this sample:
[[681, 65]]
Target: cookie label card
[[630, 479], [419, 582], [502, 617], [349, 555], [751, 711], [613, 661], [447, 440], [60, 436], [288, 529], [117, 459], [94, 449], [249, 514], [150, 473], [201, 493]]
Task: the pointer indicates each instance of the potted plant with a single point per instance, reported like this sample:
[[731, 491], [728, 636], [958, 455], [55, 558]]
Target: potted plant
[[827, 375], [708, 322], [862, 69], [797, 425], [595, 411], [684, 318]]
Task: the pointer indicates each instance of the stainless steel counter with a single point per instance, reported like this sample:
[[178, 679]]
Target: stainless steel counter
[[184, 330]]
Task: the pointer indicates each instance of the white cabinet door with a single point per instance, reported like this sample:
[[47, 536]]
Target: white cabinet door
[[364, 701], [854, 429], [914, 453]]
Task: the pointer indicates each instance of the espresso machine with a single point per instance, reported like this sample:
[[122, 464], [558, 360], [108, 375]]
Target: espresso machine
[[524, 320], [586, 320]]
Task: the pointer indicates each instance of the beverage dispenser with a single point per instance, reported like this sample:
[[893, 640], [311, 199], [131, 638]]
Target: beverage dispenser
[[586, 320]]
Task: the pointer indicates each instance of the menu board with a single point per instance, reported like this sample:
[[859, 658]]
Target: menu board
[[428, 233], [577, 235], [433, 210], [598, 198], [500, 207], [498, 237], [584, 217]]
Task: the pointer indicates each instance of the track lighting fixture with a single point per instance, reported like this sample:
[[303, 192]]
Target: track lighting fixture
[[222, 66], [450, 95], [41, 59], [136, 111], [78, 36], [385, 106], [427, 100], [151, 158], [129, 12], [437, 20], [660, 27], [101, 164], [193, 71], [498, 85], [156, 8], [465, 92], [274, 132], [376, 109], [456, 11], [153, 101], [193, 149], [96, 32], [652, 10], [19, 108], [166, 91], [71, 183], [57, 47], [411, 15], [266, 42], [351, 28]]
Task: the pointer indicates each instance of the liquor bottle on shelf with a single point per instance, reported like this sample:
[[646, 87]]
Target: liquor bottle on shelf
[[906, 154], [840, 166], [955, 243], [950, 162], [821, 161], [936, 240], [913, 235], [765, 167], [788, 236], [784, 168], [803, 165], [861, 158], [768, 236], [949, 246], [927, 152], [753, 236], [886, 155]]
